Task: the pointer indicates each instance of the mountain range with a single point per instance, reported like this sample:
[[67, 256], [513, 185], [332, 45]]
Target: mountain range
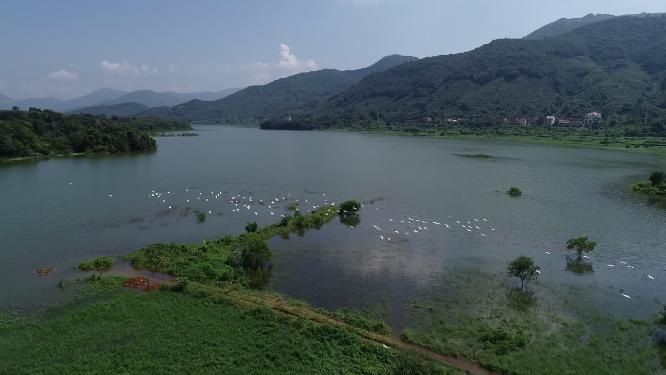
[[109, 97], [278, 98], [615, 65]]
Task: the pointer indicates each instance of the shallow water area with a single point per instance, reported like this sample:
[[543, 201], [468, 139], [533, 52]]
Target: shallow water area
[[449, 212]]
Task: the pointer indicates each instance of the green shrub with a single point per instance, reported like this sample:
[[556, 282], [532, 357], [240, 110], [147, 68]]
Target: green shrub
[[349, 208], [501, 340], [251, 227], [99, 264], [514, 191], [253, 250]]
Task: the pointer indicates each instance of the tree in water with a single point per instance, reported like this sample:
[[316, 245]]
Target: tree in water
[[581, 245], [524, 269], [656, 178]]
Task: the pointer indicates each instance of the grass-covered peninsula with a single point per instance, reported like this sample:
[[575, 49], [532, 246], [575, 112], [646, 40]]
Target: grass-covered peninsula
[[37, 133], [207, 321]]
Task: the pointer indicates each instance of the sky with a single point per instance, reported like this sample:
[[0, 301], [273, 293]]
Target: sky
[[68, 48]]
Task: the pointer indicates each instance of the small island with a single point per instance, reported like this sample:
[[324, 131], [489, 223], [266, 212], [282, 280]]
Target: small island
[[42, 133], [655, 186]]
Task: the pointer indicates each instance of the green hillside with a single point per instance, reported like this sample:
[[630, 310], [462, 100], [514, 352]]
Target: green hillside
[[565, 25], [616, 67], [278, 98]]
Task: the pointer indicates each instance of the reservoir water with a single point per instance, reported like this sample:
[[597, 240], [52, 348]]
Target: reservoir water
[[427, 211]]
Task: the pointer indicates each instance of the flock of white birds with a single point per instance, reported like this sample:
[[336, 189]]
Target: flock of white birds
[[278, 205]]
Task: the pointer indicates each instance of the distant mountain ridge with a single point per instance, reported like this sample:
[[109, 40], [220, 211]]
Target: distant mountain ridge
[[108, 97], [616, 67], [278, 98], [565, 25]]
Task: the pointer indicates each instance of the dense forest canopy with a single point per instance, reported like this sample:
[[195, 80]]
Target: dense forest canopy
[[616, 67], [41, 132]]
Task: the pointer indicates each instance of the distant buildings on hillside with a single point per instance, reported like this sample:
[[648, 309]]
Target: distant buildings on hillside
[[591, 120]]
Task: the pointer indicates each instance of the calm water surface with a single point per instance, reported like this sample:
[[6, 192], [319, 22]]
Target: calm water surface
[[58, 212]]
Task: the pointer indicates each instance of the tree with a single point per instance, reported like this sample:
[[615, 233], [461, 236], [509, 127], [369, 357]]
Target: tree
[[253, 250], [349, 208], [251, 227], [656, 178], [523, 268], [581, 244], [15, 108]]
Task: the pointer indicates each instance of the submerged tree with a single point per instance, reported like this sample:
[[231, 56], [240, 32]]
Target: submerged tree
[[656, 178], [524, 269], [251, 227], [349, 208], [580, 245], [514, 191]]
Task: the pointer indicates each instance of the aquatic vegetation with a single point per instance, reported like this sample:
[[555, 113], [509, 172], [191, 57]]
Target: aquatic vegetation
[[200, 216], [99, 264], [514, 191], [579, 266], [501, 340], [228, 259], [562, 334], [654, 186], [524, 269], [475, 156], [662, 317]]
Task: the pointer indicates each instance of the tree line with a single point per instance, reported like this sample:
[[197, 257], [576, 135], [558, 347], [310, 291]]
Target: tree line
[[43, 132]]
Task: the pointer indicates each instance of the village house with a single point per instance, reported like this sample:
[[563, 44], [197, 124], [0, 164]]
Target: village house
[[592, 119]]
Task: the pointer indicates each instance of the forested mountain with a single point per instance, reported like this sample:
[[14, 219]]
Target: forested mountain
[[564, 25], [43, 133], [616, 66], [278, 98]]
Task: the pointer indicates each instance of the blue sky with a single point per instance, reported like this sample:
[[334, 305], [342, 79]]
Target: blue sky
[[68, 48]]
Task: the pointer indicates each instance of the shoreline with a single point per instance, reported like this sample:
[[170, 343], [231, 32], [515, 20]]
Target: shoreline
[[525, 139]]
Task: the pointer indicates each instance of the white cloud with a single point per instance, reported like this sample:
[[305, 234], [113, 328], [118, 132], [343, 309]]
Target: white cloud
[[62, 75], [288, 64], [289, 61], [124, 67]]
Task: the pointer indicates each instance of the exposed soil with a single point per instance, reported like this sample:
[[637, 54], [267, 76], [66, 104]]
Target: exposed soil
[[142, 283], [43, 271]]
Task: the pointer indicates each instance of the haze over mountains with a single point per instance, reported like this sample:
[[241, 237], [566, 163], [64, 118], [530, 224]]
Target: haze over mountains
[[108, 97]]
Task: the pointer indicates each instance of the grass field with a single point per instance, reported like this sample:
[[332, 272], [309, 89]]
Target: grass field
[[109, 330]]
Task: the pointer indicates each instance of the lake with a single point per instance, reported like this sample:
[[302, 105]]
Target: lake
[[427, 211]]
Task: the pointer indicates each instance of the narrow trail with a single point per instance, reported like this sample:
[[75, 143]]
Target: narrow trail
[[304, 312]]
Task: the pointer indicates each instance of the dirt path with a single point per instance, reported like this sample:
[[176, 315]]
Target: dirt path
[[305, 312]]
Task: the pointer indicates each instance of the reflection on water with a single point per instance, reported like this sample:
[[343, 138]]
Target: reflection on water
[[426, 212]]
